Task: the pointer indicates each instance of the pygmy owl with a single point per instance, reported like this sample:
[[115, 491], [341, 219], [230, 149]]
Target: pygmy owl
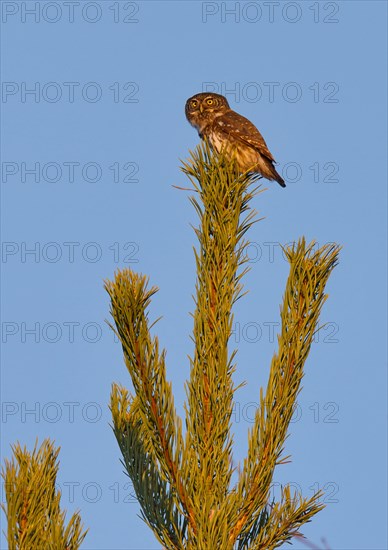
[[225, 129]]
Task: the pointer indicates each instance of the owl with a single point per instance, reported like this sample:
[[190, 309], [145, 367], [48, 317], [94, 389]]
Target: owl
[[225, 129]]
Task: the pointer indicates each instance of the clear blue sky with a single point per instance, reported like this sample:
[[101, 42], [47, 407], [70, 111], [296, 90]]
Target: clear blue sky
[[93, 99]]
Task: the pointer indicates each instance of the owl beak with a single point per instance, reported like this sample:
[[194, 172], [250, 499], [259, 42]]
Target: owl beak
[[201, 108]]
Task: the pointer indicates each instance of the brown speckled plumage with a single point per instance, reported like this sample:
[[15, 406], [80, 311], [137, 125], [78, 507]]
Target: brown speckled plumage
[[211, 115]]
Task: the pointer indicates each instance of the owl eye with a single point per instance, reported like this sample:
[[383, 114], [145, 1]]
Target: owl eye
[[194, 103], [209, 101]]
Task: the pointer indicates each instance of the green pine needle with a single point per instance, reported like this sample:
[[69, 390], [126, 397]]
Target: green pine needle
[[34, 517]]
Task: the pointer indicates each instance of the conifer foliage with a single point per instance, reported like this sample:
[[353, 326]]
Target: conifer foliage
[[183, 478], [35, 520]]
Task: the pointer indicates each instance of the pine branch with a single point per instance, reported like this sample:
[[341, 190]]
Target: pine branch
[[35, 520], [159, 427], [302, 304], [225, 196], [282, 521], [156, 497]]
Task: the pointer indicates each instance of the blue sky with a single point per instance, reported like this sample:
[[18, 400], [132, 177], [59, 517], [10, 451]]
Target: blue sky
[[93, 98]]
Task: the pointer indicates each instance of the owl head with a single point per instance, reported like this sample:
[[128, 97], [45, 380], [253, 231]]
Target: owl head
[[202, 109]]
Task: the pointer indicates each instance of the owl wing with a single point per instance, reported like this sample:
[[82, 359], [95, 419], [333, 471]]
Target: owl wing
[[237, 127]]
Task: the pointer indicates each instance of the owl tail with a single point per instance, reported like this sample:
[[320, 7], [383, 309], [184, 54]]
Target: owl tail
[[279, 179], [275, 176]]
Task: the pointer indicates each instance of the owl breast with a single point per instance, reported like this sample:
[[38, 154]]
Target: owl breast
[[216, 140], [246, 157]]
